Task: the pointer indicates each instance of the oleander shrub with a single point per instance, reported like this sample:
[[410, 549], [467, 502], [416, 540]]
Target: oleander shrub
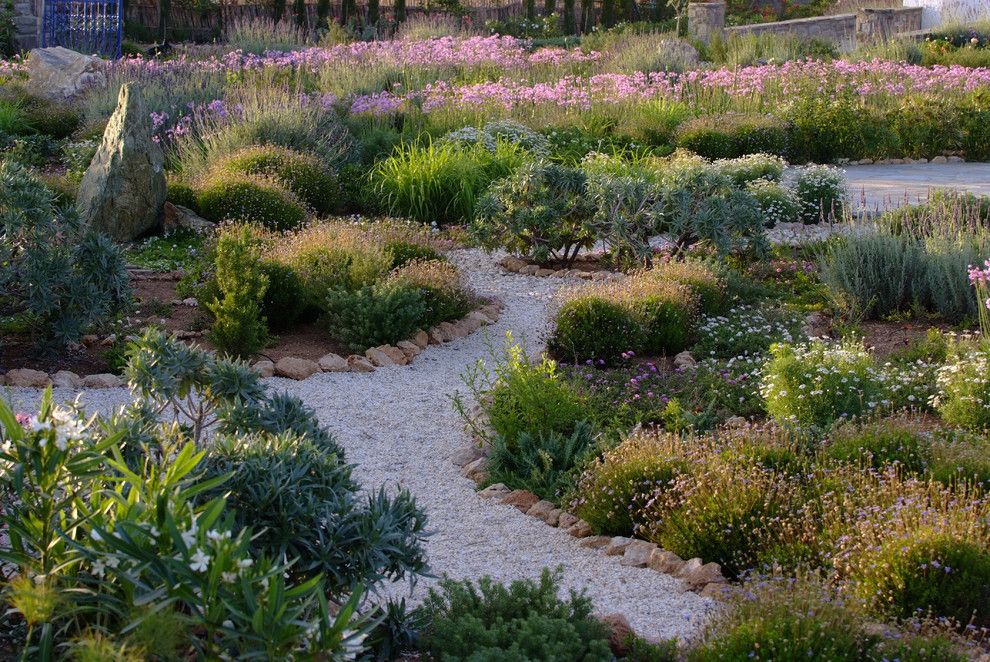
[[752, 168], [441, 289], [963, 388], [541, 211], [226, 197], [819, 383], [777, 203], [302, 174], [781, 618], [239, 329], [285, 486], [58, 278], [614, 488], [821, 193], [732, 135], [379, 314], [520, 395], [593, 327], [526, 620], [880, 443], [540, 463]]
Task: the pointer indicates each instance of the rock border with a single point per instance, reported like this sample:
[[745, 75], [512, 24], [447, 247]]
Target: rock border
[[705, 579], [383, 356], [517, 265], [943, 158]]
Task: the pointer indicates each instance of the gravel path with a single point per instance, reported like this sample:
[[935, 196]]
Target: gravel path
[[397, 424]]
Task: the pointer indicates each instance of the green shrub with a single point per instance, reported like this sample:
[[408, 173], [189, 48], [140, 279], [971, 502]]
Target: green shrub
[[404, 252], [242, 198], [732, 135], [524, 621], [181, 193], [818, 383], [284, 301], [752, 168], [614, 489], [883, 442], [541, 464], [708, 286], [331, 256], [238, 329], [302, 174], [522, 396], [592, 327], [821, 193], [57, 277], [823, 128], [963, 389], [284, 487], [440, 288], [976, 128], [540, 211], [381, 314], [778, 204], [668, 318], [955, 460]]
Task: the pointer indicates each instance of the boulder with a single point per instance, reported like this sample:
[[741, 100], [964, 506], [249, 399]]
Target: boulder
[[27, 378], [698, 577], [58, 73], [410, 349], [617, 546], [595, 542], [512, 263], [521, 499], [332, 363], [359, 364], [296, 368], [103, 380], [379, 358], [421, 339], [66, 379], [467, 455], [123, 190], [665, 561], [567, 520], [397, 355], [496, 491], [580, 529], [546, 511], [475, 470], [175, 217], [264, 368], [684, 361], [637, 554], [621, 634]]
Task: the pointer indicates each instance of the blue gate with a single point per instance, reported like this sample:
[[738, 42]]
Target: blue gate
[[93, 27]]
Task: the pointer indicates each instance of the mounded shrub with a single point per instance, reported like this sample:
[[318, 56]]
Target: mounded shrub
[[284, 302], [752, 168], [379, 314], [880, 443], [701, 279], [733, 135], [181, 193], [777, 203], [593, 327], [404, 252], [821, 193], [963, 393], [440, 287], [668, 316], [302, 174], [226, 197], [541, 463]]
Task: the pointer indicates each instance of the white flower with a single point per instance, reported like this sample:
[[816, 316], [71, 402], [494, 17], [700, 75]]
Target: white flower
[[98, 568], [229, 577], [199, 561]]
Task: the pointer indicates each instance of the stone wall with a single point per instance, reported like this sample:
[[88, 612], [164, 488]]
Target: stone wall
[[706, 20]]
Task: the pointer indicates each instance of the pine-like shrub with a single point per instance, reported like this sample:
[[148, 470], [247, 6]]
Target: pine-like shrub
[[304, 175], [239, 329], [225, 197], [540, 463], [381, 314]]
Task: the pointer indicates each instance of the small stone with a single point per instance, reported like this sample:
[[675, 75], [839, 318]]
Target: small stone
[[66, 379], [103, 380], [264, 368], [921, 160], [567, 520], [529, 270], [437, 337], [736, 422], [191, 302], [450, 331], [866, 162], [617, 546], [332, 363], [715, 591], [691, 565], [28, 378], [637, 554], [697, 576], [397, 355], [595, 542], [421, 339], [543, 273], [541, 510], [553, 517], [379, 358], [895, 161], [359, 364], [296, 368], [662, 560], [512, 263], [583, 275], [410, 349], [580, 529], [684, 361], [496, 491], [940, 159], [521, 499], [481, 318], [621, 634], [475, 470], [467, 455]]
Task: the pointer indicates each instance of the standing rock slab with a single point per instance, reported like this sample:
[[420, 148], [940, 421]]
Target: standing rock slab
[[123, 190], [58, 73]]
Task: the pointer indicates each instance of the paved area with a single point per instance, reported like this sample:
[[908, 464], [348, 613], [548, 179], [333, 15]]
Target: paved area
[[880, 187]]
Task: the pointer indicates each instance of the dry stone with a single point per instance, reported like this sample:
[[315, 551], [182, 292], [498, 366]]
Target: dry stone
[[103, 380], [175, 217], [542, 510], [265, 368], [595, 542], [466, 456], [123, 190], [475, 470], [296, 368], [512, 263], [496, 491], [58, 73], [378, 357], [665, 561], [410, 349], [359, 364], [66, 379], [567, 520], [617, 546], [684, 361], [332, 363], [421, 339], [521, 499], [620, 634], [637, 554], [580, 529], [700, 576], [27, 378]]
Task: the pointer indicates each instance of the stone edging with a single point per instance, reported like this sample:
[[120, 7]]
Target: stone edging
[[902, 161], [706, 579], [518, 265], [402, 353]]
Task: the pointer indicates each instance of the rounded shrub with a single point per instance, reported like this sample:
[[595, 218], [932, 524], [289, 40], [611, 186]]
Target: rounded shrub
[[884, 442], [303, 174], [668, 320], [819, 383], [404, 252], [942, 573], [181, 193], [614, 488], [440, 286], [227, 197], [732, 135], [699, 278], [752, 168], [285, 300], [821, 193], [961, 458], [592, 327], [332, 256], [777, 203], [963, 389]]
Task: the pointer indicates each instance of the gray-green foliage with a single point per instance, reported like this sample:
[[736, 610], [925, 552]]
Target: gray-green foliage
[[57, 277], [541, 462]]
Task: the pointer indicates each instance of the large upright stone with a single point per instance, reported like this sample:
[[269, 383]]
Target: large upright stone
[[58, 73], [123, 190]]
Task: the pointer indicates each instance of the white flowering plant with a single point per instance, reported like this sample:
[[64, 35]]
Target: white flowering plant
[[962, 394], [746, 330]]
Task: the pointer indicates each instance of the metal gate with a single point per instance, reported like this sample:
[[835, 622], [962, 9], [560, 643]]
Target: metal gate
[[93, 27]]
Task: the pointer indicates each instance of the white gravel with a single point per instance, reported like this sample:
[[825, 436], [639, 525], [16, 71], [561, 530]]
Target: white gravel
[[398, 425]]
